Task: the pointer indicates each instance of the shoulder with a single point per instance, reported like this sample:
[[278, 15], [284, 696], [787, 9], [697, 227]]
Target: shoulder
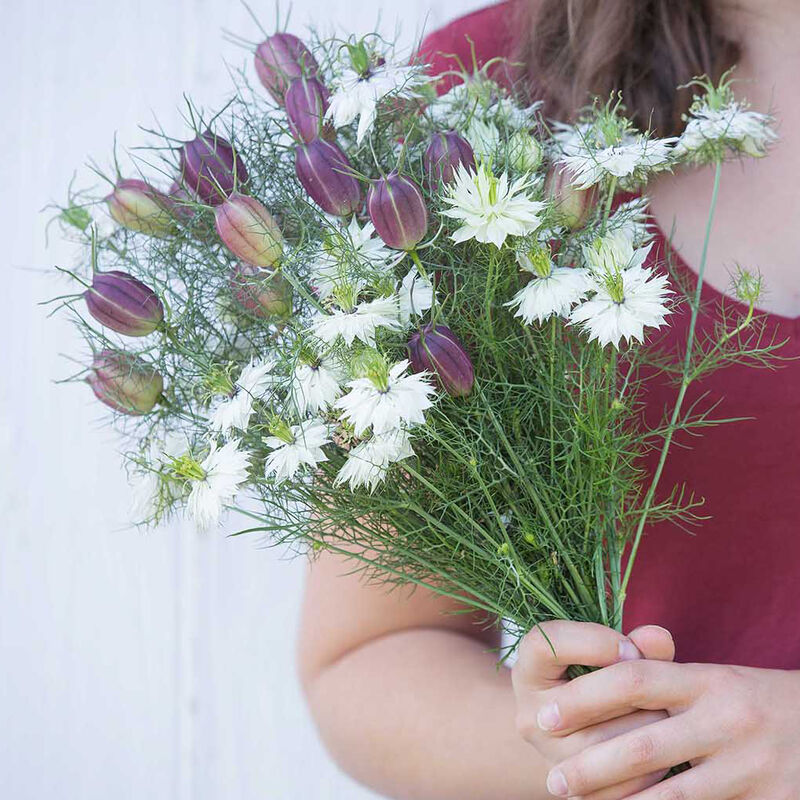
[[485, 34]]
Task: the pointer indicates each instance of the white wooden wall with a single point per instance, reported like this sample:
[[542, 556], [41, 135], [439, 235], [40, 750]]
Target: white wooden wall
[[132, 665]]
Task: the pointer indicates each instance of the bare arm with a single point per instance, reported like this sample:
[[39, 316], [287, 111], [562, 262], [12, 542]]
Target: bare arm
[[407, 699]]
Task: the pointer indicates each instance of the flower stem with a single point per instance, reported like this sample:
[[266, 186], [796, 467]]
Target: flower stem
[[687, 378], [612, 191]]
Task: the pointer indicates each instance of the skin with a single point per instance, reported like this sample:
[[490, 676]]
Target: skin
[[407, 696]]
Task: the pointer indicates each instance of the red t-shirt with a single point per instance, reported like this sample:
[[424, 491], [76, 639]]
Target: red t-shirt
[[728, 590]]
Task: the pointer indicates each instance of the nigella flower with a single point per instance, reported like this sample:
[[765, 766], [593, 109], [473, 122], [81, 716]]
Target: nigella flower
[[316, 385], [356, 94], [624, 304], [483, 136], [631, 160], [359, 321], [294, 447], [613, 253], [236, 411], [368, 463], [711, 131], [415, 295], [552, 290], [152, 493], [388, 398], [353, 253], [631, 219], [214, 481], [489, 208]]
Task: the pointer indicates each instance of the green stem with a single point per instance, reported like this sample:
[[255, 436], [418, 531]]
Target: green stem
[[552, 392], [688, 376], [418, 262], [614, 555], [612, 191]]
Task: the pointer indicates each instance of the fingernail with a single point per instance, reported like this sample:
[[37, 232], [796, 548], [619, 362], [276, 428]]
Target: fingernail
[[557, 783], [549, 717], [658, 627], [628, 651]]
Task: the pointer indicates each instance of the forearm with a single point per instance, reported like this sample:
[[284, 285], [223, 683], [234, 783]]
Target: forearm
[[425, 713]]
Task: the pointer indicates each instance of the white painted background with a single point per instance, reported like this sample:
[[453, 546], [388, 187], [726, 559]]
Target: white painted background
[[132, 665]]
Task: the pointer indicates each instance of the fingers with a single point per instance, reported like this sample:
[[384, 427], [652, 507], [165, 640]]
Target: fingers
[[633, 755], [549, 649], [703, 782], [615, 691], [654, 642], [595, 734], [624, 791]]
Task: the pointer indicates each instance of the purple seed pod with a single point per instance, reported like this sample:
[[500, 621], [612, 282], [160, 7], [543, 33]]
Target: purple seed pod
[[397, 210], [572, 206], [138, 206], [260, 292], [211, 169], [280, 59], [306, 101], [125, 382], [436, 349], [121, 302], [445, 152], [328, 178], [248, 230]]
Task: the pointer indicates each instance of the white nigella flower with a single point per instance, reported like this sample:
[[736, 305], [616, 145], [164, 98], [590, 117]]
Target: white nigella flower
[[710, 130], [447, 110], [294, 447], [236, 411], [354, 253], [415, 294], [630, 159], [613, 253], [569, 140], [386, 399], [152, 494], [368, 462], [627, 296], [489, 208], [515, 115], [552, 291], [215, 480], [315, 386], [359, 322], [357, 94], [483, 136], [631, 219]]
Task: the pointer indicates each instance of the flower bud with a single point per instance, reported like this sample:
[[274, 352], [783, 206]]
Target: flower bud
[[136, 205], [397, 210], [438, 350], [524, 152], [281, 59], [125, 382], [262, 293], [445, 152], [572, 206], [306, 101], [121, 302], [211, 169], [327, 175], [248, 230]]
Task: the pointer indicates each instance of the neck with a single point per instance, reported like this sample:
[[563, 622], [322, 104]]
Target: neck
[[768, 32]]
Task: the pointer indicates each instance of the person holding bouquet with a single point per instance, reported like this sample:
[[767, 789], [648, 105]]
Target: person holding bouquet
[[407, 694]]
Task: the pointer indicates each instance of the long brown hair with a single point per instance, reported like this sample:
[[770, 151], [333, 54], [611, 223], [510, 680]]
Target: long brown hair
[[575, 49]]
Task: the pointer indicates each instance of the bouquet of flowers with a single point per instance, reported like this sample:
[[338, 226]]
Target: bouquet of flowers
[[414, 328]]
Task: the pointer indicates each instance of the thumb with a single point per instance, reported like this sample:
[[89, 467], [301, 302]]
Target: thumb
[[654, 642]]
